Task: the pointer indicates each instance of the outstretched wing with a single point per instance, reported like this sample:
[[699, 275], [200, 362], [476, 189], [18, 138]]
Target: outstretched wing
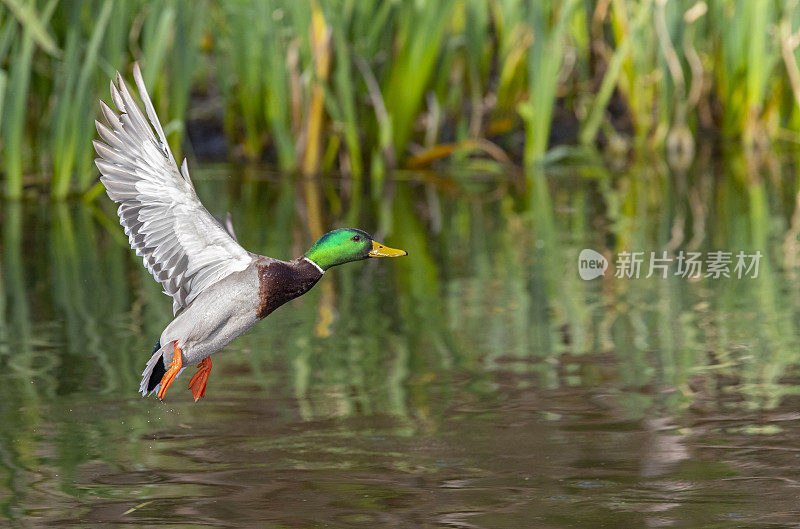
[[181, 244]]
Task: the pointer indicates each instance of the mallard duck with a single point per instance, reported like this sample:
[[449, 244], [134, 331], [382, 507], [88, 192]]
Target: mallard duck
[[219, 289]]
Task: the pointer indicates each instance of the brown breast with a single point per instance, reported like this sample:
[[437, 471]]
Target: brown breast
[[281, 281]]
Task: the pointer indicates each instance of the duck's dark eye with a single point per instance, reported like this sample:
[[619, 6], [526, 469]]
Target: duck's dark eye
[[356, 238]]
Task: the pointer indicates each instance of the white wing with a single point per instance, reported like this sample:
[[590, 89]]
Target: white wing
[[181, 244]]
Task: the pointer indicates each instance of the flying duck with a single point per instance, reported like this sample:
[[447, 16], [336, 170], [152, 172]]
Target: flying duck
[[219, 289]]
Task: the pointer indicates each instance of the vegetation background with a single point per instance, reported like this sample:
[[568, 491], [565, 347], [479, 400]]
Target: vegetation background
[[362, 87]]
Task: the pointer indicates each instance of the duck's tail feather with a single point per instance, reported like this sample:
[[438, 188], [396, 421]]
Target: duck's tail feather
[[155, 369]]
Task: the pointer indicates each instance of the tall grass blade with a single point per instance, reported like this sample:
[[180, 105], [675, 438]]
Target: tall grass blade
[[35, 24], [157, 36], [189, 26], [3, 83], [420, 33], [597, 110], [544, 63], [13, 125], [75, 121]]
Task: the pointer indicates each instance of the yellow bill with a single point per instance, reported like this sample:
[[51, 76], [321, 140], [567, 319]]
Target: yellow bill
[[379, 250]]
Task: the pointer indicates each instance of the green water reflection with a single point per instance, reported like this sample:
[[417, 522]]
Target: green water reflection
[[477, 383]]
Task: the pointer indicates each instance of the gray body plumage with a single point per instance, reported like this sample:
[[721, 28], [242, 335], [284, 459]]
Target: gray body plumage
[[224, 311], [220, 314]]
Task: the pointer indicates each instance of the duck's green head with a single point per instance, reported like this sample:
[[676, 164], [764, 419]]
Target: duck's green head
[[347, 244]]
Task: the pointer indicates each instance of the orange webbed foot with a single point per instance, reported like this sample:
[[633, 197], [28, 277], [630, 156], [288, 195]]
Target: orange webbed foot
[[198, 382], [172, 371]]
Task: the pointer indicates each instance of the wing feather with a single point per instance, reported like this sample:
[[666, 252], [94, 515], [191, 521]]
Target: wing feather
[[180, 243]]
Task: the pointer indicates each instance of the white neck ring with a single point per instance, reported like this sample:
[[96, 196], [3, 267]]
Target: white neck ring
[[321, 271]]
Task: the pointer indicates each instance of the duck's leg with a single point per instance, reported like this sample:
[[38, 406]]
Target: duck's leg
[[198, 382], [172, 371]]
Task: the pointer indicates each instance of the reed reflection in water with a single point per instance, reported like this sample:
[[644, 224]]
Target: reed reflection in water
[[478, 383]]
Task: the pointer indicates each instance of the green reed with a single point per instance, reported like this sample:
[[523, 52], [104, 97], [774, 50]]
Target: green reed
[[73, 121], [20, 58], [544, 64], [361, 87]]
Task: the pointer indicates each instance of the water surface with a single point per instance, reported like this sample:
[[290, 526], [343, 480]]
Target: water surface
[[477, 383]]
